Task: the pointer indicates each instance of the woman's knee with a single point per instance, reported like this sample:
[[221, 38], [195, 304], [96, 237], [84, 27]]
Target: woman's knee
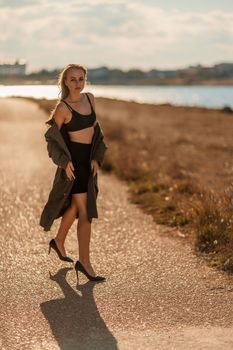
[[83, 215], [79, 202]]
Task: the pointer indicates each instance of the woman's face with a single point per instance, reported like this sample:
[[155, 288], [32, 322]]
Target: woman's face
[[75, 80]]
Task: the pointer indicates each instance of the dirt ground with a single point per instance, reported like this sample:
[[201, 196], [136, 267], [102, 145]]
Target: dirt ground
[[158, 293]]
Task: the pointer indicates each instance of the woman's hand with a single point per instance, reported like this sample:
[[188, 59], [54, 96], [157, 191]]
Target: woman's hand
[[70, 170], [94, 167]]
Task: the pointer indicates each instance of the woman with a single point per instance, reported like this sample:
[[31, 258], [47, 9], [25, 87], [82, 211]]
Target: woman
[[75, 144]]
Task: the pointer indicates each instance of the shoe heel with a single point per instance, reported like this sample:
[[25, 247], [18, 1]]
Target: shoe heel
[[49, 249], [80, 267], [77, 276]]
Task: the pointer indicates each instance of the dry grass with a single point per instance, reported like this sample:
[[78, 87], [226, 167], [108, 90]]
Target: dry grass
[[214, 227], [178, 164]]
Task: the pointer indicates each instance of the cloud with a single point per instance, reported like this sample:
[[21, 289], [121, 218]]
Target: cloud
[[19, 3], [117, 33]]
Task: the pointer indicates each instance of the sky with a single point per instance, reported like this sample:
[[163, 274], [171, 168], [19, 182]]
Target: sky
[[124, 34]]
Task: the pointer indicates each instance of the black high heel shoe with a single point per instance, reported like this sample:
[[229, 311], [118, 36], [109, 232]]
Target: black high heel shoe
[[52, 244], [80, 267]]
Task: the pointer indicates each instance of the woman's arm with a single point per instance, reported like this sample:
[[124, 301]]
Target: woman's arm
[[92, 98], [54, 151], [60, 114], [58, 156]]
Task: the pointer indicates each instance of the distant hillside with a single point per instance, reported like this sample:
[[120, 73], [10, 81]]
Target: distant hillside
[[219, 74]]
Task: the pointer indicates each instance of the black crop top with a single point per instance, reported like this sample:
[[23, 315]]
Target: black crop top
[[80, 121]]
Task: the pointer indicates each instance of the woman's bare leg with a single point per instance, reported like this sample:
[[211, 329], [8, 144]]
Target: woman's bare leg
[[66, 222], [83, 232]]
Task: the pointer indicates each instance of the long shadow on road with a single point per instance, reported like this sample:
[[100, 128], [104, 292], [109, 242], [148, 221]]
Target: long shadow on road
[[75, 320]]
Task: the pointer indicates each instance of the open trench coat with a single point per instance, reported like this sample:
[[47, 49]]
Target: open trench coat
[[59, 198]]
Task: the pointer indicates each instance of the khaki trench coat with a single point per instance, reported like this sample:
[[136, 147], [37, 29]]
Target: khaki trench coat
[[59, 198]]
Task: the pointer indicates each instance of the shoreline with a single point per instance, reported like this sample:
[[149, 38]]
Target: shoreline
[[226, 108], [165, 82]]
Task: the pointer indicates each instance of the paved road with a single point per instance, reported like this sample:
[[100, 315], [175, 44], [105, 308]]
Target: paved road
[[158, 294]]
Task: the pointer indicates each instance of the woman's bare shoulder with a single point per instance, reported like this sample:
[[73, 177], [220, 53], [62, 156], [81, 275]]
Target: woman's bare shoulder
[[61, 106], [60, 113], [92, 98], [91, 95]]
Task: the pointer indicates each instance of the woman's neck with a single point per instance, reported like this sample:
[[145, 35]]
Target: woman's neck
[[75, 97]]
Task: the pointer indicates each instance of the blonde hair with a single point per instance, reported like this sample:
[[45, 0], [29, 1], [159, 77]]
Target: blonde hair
[[64, 91]]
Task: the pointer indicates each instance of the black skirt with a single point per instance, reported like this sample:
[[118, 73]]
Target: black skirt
[[80, 155]]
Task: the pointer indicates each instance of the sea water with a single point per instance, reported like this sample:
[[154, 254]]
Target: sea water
[[206, 96]]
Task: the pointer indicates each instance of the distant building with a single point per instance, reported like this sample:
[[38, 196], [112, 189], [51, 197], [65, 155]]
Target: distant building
[[14, 67]]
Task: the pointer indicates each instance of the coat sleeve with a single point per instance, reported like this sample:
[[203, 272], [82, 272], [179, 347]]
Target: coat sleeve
[[57, 155], [99, 152]]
